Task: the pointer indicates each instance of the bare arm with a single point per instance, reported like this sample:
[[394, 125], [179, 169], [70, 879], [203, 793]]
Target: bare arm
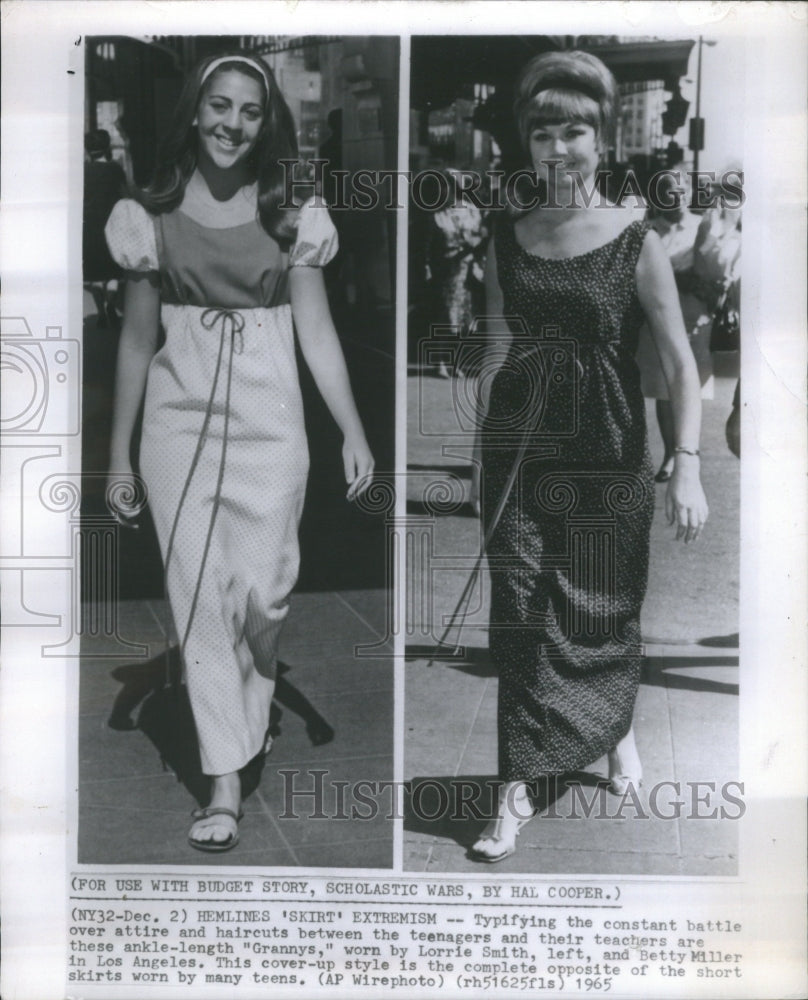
[[135, 351], [498, 335], [323, 354], [685, 502]]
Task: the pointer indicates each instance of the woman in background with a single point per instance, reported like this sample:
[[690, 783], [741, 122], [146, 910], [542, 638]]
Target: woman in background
[[455, 245], [702, 271]]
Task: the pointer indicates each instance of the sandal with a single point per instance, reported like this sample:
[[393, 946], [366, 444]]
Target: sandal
[[215, 846]]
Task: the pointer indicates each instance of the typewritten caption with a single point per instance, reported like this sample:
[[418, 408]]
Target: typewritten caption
[[318, 933]]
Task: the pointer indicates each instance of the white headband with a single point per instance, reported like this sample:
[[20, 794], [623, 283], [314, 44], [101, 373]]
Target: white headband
[[255, 63]]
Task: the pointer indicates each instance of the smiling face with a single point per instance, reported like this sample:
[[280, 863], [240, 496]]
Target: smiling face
[[573, 143], [229, 118]]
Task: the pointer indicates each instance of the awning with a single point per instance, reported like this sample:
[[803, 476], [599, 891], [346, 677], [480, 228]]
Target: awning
[[443, 67]]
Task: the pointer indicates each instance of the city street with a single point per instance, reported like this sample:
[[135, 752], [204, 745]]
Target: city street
[[686, 716]]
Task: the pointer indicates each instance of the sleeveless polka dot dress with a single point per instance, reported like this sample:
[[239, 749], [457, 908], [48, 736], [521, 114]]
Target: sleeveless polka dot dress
[[224, 453], [569, 555]]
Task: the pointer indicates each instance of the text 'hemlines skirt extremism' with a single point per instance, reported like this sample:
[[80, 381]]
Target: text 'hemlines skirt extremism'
[[225, 459]]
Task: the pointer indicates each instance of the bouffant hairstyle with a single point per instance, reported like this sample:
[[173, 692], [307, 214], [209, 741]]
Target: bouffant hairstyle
[[277, 140], [566, 86]]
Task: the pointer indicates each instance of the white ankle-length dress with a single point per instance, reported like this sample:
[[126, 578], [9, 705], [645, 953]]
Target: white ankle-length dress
[[223, 451]]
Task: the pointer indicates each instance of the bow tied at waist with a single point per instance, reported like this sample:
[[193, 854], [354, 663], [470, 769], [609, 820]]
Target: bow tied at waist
[[230, 320]]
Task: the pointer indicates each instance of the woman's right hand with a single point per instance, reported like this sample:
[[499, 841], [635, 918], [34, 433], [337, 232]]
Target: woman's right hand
[[123, 497], [685, 502], [358, 462]]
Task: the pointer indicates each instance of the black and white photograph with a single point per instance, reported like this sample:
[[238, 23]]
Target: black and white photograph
[[235, 596], [403, 449], [573, 402]]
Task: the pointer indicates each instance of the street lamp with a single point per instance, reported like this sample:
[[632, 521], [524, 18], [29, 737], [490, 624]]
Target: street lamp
[[696, 142]]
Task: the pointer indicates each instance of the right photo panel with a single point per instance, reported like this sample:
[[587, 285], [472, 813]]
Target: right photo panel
[[573, 498]]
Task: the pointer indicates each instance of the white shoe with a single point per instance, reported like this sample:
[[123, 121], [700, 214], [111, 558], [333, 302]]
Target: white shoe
[[625, 768], [498, 840]]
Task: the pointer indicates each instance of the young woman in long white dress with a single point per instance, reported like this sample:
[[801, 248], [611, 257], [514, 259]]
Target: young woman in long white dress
[[214, 258]]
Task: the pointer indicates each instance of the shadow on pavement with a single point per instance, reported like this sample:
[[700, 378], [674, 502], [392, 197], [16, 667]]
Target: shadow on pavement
[[417, 508], [153, 688], [731, 641], [657, 672], [459, 471], [457, 808], [473, 660]]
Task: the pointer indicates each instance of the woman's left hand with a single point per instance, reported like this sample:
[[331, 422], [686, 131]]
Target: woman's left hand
[[685, 502], [358, 463]]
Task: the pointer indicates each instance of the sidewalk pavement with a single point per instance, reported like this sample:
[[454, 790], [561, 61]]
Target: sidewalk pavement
[[139, 775], [686, 717]]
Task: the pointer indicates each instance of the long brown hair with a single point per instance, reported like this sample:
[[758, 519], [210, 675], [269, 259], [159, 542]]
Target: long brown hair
[[277, 141]]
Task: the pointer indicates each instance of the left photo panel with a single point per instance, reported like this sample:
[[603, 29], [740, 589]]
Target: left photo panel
[[236, 678]]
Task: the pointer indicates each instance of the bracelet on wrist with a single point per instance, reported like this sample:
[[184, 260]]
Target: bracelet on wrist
[[678, 450]]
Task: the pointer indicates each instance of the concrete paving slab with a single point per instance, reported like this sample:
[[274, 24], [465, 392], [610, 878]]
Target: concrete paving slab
[[696, 717], [713, 867], [117, 687], [325, 670], [334, 712], [349, 854], [337, 814], [316, 614], [700, 758], [161, 610], [105, 753], [416, 853], [371, 607], [157, 792], [361, 728], [146, 821], [551, 861]]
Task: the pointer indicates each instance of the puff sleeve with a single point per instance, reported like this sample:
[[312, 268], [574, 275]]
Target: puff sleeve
[[316, 242], [130, 237]]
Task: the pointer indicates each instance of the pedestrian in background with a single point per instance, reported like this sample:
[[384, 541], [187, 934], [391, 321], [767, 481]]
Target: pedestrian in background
[[104, 185], [454, 260], [678, 229]]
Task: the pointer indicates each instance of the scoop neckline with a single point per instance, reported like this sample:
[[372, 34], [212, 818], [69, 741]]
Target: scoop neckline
[[575, 256], [217, 229], [197, 195]]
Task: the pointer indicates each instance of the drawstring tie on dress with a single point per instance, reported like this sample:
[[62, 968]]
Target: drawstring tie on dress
[[230, 322]]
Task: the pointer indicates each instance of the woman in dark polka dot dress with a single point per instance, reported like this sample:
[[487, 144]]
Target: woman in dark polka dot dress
[[568, 492]]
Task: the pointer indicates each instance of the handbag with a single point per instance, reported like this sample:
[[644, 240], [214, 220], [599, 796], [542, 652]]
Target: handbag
[[726, 331]]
